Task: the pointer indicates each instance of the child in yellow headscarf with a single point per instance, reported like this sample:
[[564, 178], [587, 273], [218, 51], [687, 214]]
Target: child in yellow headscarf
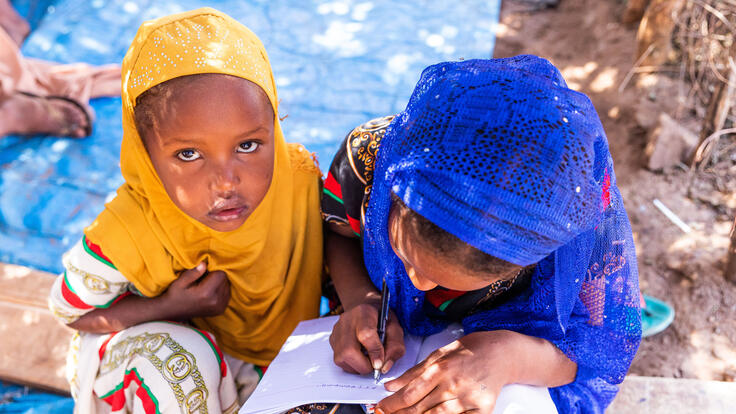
[[218, 222]]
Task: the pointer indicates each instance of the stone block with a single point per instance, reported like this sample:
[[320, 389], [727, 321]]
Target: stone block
[[669, 144], [653, 395], [34, 345]]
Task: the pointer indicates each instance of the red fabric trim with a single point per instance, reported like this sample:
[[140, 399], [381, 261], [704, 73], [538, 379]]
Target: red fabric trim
[[333, 186], [72, 297], [439, 296], [117, 399], [103, 347], [97, 249], [354, 224], [223, 366], [149, 406]]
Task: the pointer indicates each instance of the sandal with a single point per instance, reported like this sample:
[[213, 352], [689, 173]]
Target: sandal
[[68, 130], [656, 316]]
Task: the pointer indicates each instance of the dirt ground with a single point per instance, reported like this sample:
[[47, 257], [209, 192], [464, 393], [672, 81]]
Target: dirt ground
[[595, 51]]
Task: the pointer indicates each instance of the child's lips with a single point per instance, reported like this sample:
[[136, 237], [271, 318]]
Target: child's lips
[[227, 213]]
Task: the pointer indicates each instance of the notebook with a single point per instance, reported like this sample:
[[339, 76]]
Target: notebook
[[304, 372]]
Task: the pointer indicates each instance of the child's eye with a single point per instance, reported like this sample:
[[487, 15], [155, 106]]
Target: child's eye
[[248, 146], [188, 155]]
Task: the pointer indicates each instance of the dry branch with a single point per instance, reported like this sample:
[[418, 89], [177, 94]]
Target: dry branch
[[705, 38], [730, 271]]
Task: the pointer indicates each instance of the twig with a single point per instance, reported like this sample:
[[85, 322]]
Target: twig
[[650, 69], [729, 272], [718, 74], [716, 13], [707, 142], [631, 72]]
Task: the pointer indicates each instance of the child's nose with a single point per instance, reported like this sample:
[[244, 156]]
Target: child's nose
[[225, 180]]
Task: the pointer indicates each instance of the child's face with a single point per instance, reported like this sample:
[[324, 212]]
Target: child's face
[[427, 269], [213, 148]]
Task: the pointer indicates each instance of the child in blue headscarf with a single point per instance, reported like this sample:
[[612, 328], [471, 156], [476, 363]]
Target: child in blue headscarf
[[490, 201]]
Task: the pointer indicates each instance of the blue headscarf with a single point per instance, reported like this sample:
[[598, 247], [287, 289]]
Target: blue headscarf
[[503, 155]]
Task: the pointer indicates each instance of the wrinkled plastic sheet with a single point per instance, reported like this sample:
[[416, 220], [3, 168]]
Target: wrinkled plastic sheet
[[16, 399], [336, 64]]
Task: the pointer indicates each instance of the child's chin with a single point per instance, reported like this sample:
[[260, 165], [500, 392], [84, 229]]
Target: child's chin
[[225, 226]]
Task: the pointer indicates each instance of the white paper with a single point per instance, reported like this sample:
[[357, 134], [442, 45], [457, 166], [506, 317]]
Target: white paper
[[304, 372], [438, 340]]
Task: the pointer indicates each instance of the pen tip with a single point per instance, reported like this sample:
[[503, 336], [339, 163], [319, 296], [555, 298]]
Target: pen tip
[[376, 375]]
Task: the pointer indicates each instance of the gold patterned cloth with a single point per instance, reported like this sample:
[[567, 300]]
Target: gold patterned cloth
[[274, 260], [349, 180]]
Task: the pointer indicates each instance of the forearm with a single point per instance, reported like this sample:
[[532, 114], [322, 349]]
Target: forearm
[[535, 361], [345, 260], [130, 311]]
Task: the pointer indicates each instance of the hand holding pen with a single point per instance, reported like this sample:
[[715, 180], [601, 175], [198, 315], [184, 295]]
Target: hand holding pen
[[358, 348], [382, 321]]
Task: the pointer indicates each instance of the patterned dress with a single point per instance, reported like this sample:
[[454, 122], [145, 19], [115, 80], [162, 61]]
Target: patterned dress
[[152, 367]]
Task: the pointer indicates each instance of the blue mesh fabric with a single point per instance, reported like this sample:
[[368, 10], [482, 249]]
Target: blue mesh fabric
[[501, 154]]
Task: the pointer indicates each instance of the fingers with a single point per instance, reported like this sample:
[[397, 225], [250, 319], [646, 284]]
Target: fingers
[[190, 276], [347, 353], [352, 359], [212, 293], [417, 389], [354, 332], [407, 376], [443, 398], [223, 289], [215, 280], [422, 367], [395, 347], [453, 406], [368, 337]]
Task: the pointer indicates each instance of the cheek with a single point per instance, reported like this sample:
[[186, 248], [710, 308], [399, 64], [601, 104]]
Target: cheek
[[186, 189], [182, 183], [418, 281], [257, 175]]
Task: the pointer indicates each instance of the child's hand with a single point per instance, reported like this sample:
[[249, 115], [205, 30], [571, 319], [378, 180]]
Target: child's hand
[[466, 375], [356, 330], [197, 294]]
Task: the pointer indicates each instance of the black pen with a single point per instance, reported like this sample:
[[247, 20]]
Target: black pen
[[382, 320]]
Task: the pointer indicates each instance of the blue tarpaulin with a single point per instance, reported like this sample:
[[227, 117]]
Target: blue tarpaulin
[[337, 64]]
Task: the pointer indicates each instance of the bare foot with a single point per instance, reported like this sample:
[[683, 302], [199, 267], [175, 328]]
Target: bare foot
[[27, 115], [16, 26]]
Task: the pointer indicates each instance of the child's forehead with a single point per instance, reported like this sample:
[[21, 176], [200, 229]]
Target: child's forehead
[[202, 93], [200, 83], [195, 45]]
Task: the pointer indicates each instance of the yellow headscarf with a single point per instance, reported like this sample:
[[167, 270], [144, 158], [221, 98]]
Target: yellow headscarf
[[274, 260]]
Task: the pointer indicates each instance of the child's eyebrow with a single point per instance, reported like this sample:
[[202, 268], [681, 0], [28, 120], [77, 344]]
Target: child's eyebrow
[[189, 141], [178, 141], [260, 128]]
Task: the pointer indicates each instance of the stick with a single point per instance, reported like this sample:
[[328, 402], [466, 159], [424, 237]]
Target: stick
[[672, 216], [698, 155], [638, 62], [730, 270]]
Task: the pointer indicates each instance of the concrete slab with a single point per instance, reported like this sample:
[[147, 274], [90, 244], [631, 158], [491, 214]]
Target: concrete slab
[[652, 395], [34, 345]]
